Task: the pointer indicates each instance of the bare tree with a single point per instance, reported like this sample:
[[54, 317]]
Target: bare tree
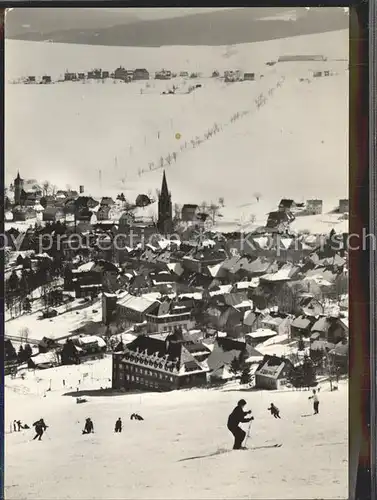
[[177, 211], [221, 201], [24, 334], [46, 188], [214, 211]]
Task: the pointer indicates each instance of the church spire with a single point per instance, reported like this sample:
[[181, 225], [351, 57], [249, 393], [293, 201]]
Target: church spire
[[165, 212], [164, 187]]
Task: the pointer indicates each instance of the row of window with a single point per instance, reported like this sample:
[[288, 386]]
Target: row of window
[[143, 371], [141, 380]]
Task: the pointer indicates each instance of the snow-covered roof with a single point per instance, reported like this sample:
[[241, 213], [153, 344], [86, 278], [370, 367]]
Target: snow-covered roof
[[88, 266], [44, 358], [138, 304], [91, 339], [261, 333]]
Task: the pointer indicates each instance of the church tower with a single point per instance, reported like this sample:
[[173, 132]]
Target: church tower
[[165, 211], [18, 188]]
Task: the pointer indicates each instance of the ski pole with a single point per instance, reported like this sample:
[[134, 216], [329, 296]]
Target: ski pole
[[248, 432]]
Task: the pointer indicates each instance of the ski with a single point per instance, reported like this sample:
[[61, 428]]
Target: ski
[[222, 452]]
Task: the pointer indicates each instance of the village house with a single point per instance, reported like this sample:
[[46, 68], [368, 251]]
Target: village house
[[251, 321], [31, 79], [140, 74], [249, 77], [70, 77], [301, 326], [259, 336], [314, 207], [279, 323], [329, 329], [169, 315], [343, 206], [286, 205], [53, 214], [224, 351], [81, 76], [309, 305], [43, 361], [279, 221], [163, 75], [91, 347], [339, 357], [46, 79], [155, 364], [190, 213], [89, 278], [103, 213], [23, 213], [272, 373], [95, 74], [132, 309]]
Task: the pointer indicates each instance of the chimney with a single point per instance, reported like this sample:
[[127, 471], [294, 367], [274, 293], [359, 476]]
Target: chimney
[[81, 189]]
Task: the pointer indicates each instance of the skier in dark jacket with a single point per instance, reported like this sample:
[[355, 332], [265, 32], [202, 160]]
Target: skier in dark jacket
[[275, 412], [118, 425], [136, 416], [89, 427], [235, 418], [40, 427]]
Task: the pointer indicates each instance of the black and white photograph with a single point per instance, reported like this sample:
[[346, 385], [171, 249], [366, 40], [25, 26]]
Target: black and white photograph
[[176, 253]]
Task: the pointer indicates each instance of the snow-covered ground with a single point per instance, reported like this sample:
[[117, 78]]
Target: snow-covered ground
[[149, 460], [293, 146], [71, 316]]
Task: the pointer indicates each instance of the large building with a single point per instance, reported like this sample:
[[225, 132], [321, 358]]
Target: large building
[[156, 364], [165, 211]]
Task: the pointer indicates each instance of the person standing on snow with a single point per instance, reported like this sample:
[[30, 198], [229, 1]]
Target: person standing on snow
[[315, 402], [89, 427], [275, 412], [118, 425], [235, 418], [40, 427]]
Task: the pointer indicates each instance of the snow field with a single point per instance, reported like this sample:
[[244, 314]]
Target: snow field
[[300, 134], [147, 459]]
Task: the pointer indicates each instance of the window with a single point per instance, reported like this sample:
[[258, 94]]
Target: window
[[171, 379], [132, 378], [137, 379], [127, 377]]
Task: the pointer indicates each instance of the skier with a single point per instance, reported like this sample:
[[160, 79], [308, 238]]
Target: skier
[[235, 418], [89, 427], [315, 402], [275, 412], [118, 425], [19, 425], [136, 416], [40, 427], [14, 425]]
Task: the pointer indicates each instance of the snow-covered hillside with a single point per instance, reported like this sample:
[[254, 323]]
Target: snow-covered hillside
[[295, 145], [169, 455]]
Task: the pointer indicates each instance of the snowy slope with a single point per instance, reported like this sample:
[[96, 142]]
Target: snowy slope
[[148, 459], [292, 146]]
